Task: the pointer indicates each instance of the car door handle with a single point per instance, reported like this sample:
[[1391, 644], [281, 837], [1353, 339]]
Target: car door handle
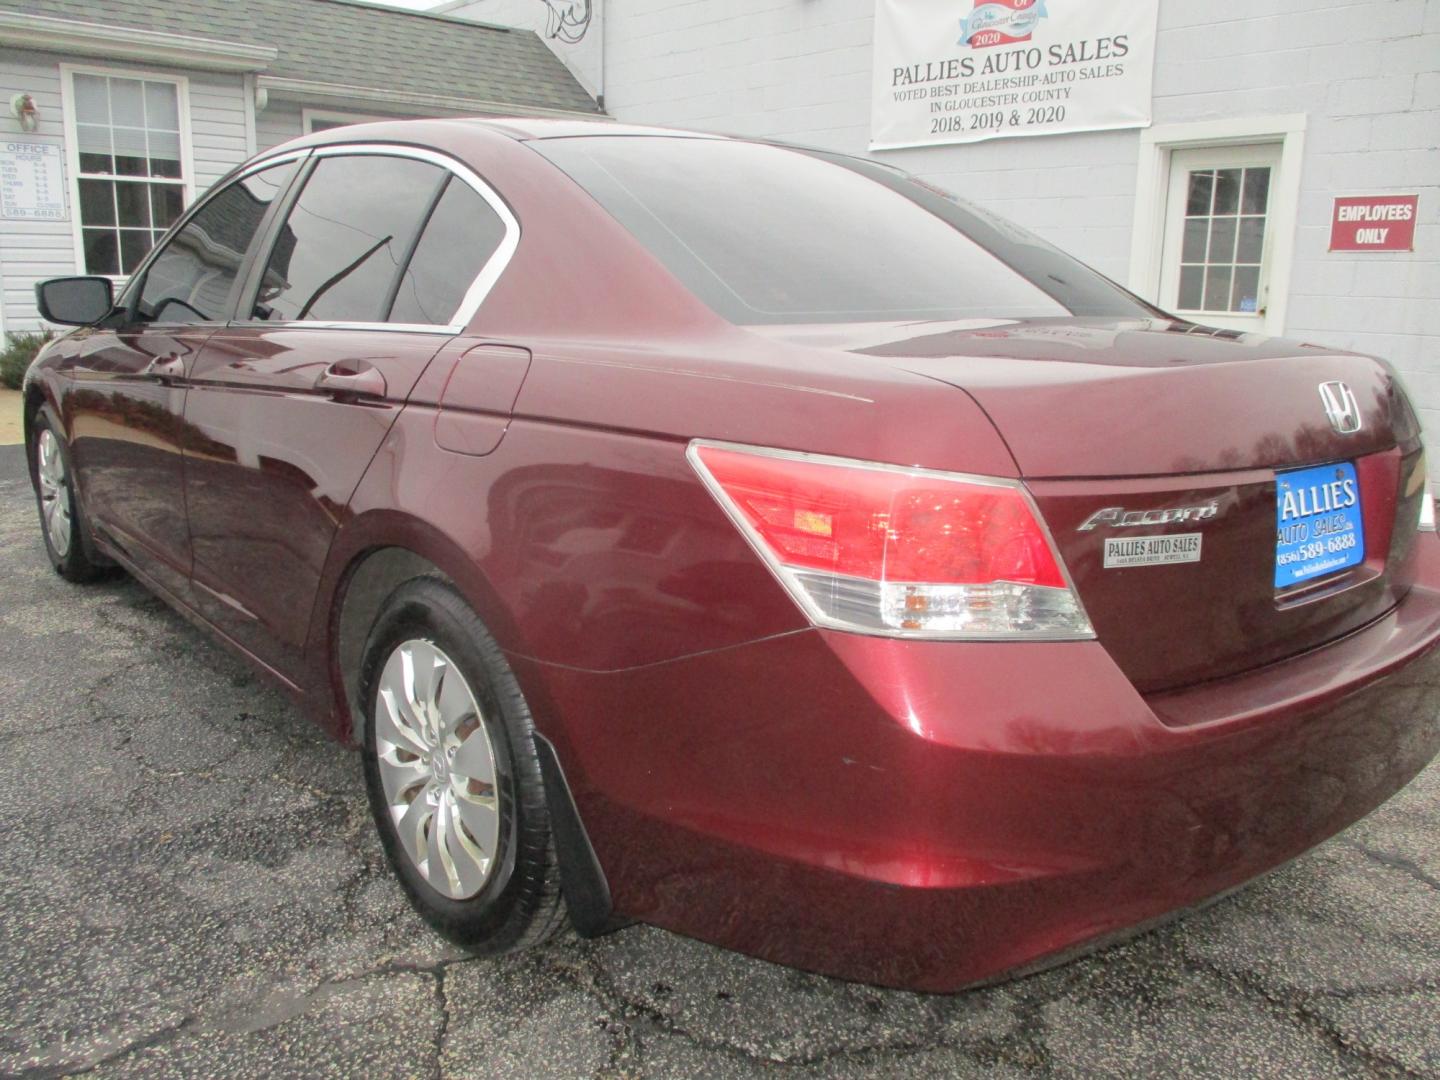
[[350, 380], [164, 368]]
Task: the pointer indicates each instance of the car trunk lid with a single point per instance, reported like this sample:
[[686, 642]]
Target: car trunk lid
[[1157, 451]]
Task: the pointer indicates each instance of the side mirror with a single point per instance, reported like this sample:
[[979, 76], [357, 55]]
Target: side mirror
[[75, 301]]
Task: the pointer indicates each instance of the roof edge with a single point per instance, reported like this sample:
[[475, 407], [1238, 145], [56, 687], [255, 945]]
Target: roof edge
[[46, 33], [438, 13], [307, 91]]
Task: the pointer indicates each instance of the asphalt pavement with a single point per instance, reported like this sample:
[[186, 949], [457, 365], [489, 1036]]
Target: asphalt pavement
[[190, 886]]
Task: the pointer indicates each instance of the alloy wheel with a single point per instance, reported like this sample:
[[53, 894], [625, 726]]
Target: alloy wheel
[[54, 493], [437, 767]]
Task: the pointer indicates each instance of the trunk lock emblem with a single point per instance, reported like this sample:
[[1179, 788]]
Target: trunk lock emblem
[[1341, 407]]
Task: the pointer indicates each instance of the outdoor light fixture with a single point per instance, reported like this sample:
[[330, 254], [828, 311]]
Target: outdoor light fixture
[[24, 110]]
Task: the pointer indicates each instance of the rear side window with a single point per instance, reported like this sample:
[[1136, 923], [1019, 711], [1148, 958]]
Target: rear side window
[[191, 278], [767, 234], [461, 235], [338, 256]]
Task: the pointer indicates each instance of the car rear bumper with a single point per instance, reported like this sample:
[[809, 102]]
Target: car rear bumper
[[931, 815]]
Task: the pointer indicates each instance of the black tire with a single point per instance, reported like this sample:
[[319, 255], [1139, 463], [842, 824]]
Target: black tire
[[80, 561], [520, 904]]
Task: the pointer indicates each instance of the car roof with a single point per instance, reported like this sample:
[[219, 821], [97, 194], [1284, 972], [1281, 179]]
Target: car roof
[[439, 132], [519, 128], [526, 128]]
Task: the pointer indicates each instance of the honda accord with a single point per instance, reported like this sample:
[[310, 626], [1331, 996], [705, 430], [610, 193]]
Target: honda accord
[[753, 541]]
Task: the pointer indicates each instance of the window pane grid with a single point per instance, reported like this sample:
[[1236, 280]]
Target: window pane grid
[[1223, 240], [130, 178]]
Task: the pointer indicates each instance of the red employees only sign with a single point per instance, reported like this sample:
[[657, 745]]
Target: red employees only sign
[[1374, 223]]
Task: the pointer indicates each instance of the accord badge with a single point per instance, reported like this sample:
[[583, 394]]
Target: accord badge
[[1120, 518]]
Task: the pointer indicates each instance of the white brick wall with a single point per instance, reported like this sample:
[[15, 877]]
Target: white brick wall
[[31, 251], [1367, 75]]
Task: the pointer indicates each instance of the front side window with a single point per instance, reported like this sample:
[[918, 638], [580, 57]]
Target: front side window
[[766, 234], [338, 256], [131, 182], [191, 279]]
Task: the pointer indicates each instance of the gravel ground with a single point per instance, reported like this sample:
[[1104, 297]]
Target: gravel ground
[[191, 887]]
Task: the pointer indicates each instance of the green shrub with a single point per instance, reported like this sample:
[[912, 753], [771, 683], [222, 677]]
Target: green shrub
[[20, 349]]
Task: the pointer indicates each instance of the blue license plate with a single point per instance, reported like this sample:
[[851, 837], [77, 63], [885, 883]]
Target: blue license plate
[[1318, 525]]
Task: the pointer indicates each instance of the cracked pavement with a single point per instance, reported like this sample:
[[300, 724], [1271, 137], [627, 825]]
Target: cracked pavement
[[191, 886]]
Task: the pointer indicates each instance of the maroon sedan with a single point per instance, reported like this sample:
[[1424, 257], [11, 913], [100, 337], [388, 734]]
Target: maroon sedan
[[751, 540]]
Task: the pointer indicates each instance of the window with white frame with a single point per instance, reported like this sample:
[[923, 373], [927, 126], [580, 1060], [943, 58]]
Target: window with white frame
[[130, 171]]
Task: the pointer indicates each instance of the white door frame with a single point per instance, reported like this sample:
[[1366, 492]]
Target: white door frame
[[1152, 187]]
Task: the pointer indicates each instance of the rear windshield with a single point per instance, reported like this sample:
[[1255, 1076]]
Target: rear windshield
[[768, 234]]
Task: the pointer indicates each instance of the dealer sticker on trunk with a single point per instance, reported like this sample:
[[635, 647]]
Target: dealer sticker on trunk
[[1319, 529], [1151, 550]]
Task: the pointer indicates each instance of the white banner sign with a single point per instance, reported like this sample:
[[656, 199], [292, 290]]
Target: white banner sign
[[955, 71]]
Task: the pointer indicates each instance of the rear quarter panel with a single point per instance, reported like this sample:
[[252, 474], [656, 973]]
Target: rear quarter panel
[[588, 540]]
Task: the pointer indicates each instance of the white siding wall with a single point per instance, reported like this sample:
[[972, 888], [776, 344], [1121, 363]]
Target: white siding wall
[[33, 251], [277, 123], [1367, 74], [217, 126]]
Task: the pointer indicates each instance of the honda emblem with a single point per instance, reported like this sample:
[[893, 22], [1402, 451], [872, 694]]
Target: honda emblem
[[1341, 407]]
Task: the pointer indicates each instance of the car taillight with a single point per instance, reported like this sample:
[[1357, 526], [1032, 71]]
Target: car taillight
[[886, 549], [1420, 478]]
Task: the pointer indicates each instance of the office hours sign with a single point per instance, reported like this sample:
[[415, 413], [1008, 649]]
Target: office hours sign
[[958, 71], [32, 182]]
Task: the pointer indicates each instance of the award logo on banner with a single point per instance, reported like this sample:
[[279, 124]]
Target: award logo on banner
[[956, 71], [1000, 22]]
